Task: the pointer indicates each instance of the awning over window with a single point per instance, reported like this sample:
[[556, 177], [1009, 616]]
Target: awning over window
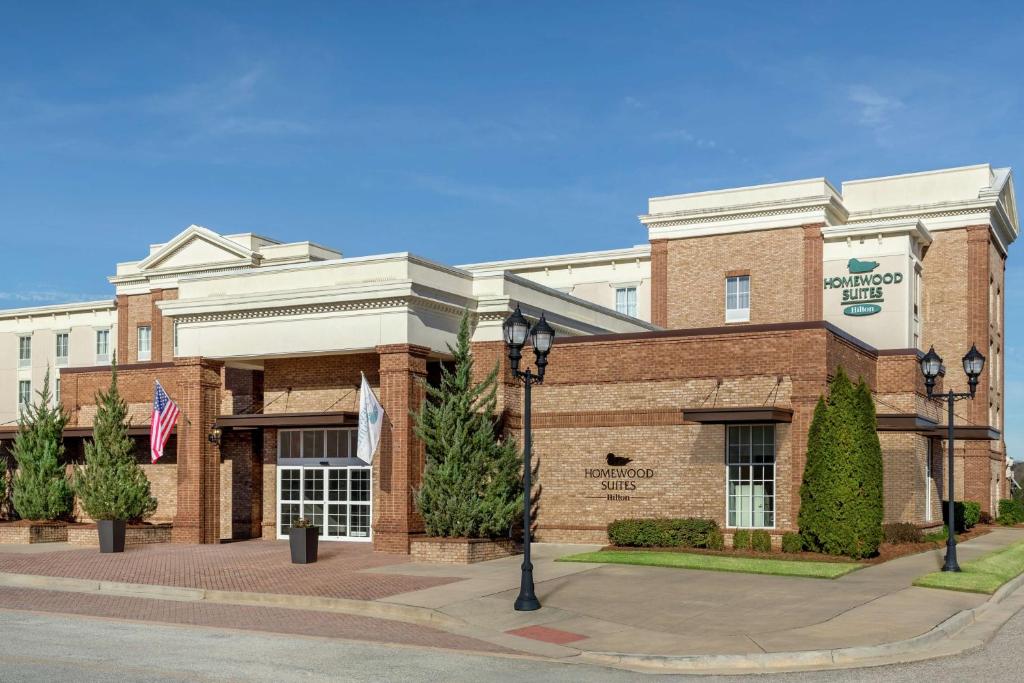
[[283, 420], [904, 422], [735, 415]]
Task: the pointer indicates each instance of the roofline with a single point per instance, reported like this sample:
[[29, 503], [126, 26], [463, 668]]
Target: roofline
[[727, 190], [73, 307], [934, 171], [605, 254]]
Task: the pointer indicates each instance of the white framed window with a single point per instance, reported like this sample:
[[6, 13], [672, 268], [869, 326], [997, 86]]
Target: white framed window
[[737, 298], [750, 476], [24, 393], [175, 338], [56, 391], [102, 346], [61, 346], [625, 300], [145, 342], [25, 351]]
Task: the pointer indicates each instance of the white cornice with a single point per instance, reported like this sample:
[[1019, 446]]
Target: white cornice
[[912, 227], [640, 251], [58, 309]]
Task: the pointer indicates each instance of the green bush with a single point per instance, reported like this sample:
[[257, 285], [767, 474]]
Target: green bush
[[967, 512], [761, 541], [792, 542], [902, 532], [841, 495], [690, 532], [1011, 512], [472, 485], [741, 540], [41, 490], [112, 485]]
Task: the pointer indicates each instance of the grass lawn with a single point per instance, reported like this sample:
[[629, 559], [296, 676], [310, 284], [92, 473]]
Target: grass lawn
[[746, 565], [983, 575]]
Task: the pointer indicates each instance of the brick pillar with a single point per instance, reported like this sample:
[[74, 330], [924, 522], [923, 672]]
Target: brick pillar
[[977, 454], [398, 465], [198, 516], [659, 282], [813, 271], [122, 329], [156, 342]]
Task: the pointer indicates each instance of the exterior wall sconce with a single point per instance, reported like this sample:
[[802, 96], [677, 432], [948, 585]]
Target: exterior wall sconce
[[214, 436]]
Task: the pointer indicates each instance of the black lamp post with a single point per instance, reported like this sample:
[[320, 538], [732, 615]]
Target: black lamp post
[[931, 367], [515, 329]]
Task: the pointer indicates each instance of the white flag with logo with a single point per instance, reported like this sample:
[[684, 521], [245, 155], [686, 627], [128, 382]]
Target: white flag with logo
[[371, 417]]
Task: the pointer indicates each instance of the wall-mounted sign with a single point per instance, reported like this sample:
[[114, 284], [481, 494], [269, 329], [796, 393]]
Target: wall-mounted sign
[[618, 481], [863, 290]]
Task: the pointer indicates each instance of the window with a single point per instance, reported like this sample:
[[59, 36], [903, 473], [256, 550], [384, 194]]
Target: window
[[316, 444], [56, 391], [62, 349], [737, 298], [625, 300], [24, 393], [175, 338], [24, 352], [145, 342], [102, 346], [750, 464]]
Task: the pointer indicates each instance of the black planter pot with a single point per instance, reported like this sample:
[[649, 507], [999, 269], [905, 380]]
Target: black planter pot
[[111, 533], [303, 543]]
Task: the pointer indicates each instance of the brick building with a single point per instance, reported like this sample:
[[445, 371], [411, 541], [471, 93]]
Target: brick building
[[682, 381]]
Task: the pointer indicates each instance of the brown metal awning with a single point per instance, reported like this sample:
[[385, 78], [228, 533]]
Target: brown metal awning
[[737, 415], [905, 422], [277, 420], [967, 432]]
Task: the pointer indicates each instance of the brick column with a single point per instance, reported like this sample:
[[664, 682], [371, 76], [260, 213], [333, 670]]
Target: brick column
[[398, 465], [156, 342], [198, 516], [659, 282], [813, 271], [122, 329]]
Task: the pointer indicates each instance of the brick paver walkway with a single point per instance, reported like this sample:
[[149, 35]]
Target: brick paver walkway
[[251, 566], [270, 619]]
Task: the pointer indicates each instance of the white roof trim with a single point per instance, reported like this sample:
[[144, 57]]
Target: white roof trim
[[196, 232]]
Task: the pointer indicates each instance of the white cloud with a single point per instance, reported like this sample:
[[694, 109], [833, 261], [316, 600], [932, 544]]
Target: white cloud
[[875, 109]]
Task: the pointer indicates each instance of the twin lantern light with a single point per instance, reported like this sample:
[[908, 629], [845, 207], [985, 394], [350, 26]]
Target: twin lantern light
[[973, 361], [516, 328]]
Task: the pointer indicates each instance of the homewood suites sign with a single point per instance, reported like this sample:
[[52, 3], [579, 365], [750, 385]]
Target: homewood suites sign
[[618, 481], [863, 290]]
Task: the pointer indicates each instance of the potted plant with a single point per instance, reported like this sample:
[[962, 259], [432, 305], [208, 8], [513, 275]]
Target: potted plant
[[303, 539], [112, 487]]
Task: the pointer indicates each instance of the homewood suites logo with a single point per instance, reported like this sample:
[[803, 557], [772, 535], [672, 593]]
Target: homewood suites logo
[[863, 290], [617, 476]]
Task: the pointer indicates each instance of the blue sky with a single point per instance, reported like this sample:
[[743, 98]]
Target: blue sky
[[467, 131]]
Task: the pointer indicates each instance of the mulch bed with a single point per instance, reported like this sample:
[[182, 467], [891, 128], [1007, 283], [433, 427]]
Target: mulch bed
[[886, 552]]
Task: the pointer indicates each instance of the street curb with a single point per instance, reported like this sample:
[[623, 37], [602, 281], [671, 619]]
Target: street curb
[[848, 657], [904, 650]]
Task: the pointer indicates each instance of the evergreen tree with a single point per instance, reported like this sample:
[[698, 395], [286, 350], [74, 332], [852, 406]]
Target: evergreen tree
[[471, 483], [112, 485], [841, 504], [40, 488]]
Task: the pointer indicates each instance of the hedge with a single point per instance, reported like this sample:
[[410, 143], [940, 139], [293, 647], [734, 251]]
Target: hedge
[[792, 542], [902, 532], [967, 512], [1011, 512], [689, 532], [755, 539]]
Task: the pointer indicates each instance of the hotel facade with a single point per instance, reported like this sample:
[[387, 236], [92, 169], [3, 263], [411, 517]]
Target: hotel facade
[[682, 381]]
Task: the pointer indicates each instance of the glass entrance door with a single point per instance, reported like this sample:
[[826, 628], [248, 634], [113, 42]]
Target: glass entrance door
[[335, 499]]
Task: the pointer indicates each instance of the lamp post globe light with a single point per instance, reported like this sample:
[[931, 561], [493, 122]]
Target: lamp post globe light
[[515, 330], [931, 368]]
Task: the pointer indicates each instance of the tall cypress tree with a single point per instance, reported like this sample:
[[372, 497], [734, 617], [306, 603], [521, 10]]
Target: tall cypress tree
[[471, 483], [112, 485], [841, 503], [40, 489]]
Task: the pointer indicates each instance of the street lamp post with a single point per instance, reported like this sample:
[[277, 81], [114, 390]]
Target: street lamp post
[[515, 330], [931, 367]]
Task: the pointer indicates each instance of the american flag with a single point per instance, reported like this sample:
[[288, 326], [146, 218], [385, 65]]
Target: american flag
[[165, 414]]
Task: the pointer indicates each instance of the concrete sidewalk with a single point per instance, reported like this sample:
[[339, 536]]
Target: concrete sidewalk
[[638, 617]]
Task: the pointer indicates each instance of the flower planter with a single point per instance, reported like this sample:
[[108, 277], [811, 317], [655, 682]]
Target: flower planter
[[111, 532], [26, 532], [460, 550], [303, 543]]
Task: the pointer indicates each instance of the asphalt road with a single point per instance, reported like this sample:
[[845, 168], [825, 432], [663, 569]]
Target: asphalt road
[[50, 647]]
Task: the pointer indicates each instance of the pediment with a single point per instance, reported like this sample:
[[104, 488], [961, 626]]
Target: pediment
[[196, 246]]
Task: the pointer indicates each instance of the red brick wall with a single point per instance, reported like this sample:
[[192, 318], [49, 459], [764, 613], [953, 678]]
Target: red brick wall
[[317, 383], [136, 310]]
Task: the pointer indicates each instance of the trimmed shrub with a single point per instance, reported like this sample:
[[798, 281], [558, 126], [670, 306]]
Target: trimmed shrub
[[689, 532], [41, 488], [792, 542], [1011, 512], [741, 540], [967, 514], [902, 532], [841, 503], [761, 541]]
